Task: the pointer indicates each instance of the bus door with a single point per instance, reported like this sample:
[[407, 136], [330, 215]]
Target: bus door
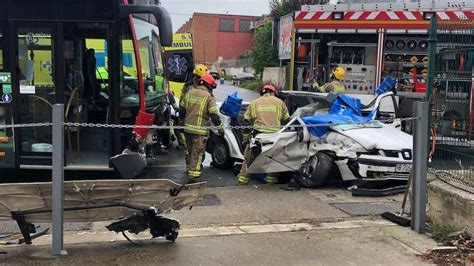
[[35, 91], [87, 95]]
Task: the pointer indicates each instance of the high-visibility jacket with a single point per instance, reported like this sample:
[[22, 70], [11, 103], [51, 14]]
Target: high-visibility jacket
[[267, 113], [186, 87], [198, 107], [333, 86]]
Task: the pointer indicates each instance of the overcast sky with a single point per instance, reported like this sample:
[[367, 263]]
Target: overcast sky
[[182, 10]]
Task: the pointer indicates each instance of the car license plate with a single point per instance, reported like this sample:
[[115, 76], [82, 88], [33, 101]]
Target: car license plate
[[403, 168]]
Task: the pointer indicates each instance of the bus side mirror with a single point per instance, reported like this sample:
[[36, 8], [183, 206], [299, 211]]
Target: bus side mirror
[[161, 15]]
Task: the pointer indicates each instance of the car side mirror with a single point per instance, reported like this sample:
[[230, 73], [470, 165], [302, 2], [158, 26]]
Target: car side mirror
[[161, 15]]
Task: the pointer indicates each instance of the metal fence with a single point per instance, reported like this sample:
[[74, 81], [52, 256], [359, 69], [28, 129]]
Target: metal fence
[[451, 124]]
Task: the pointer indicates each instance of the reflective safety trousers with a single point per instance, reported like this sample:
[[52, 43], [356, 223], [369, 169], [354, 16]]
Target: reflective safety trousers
[[195, 149]]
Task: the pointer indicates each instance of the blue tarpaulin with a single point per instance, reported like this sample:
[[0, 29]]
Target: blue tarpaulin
[[346, 105], [344, 110]]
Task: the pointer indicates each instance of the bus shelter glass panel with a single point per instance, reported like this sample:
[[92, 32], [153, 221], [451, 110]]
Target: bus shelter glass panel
[[37, 88]]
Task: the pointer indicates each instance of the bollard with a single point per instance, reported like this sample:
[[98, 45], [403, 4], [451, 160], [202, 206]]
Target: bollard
[[58, 180], [420, 167]]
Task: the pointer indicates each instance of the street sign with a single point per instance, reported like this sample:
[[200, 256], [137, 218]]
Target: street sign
[[284, 42], [7, 98]]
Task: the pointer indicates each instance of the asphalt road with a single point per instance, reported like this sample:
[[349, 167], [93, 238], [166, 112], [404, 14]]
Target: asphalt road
[[173, 166], [222, 91]]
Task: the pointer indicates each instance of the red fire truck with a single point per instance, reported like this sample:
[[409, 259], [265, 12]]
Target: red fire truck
[[370, 41]]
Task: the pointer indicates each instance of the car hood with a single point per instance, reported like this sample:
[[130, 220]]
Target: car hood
[[384, 138]]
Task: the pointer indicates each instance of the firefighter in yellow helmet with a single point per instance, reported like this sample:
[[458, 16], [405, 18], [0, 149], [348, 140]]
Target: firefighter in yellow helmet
[[336, 85], [266, 114], [197, 109], [198, 72]]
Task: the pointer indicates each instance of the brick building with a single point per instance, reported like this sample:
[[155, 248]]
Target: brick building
[[219, 35]]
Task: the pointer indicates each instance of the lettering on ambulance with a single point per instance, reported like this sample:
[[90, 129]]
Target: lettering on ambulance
[[182, 45]]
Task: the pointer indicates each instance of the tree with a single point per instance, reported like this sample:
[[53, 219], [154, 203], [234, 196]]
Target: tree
[[280, 8], [263, 54]]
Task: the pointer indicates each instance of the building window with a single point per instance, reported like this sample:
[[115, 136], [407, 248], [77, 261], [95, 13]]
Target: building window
[[226, 25], [245, 25]]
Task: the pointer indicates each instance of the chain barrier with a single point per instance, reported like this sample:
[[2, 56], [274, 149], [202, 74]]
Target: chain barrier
[[118, 126], [30, 125]]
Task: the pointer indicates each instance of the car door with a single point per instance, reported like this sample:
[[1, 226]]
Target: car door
[[282, 151]]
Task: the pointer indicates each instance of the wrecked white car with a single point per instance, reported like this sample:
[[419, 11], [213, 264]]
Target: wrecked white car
[[318, 145]]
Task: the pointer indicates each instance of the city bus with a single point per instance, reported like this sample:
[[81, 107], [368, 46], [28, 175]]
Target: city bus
[[101, 59]]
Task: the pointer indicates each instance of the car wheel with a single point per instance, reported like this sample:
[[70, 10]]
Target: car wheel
[[221, 155], [317, 169]]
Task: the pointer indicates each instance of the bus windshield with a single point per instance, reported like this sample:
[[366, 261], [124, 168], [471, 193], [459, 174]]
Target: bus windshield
[[151, 64]]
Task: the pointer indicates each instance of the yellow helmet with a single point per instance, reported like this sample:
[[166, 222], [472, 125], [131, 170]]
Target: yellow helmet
[[339, 73], [200, 70]]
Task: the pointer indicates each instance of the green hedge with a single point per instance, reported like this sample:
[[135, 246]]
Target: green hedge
[[253, 85], [228, 77]]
